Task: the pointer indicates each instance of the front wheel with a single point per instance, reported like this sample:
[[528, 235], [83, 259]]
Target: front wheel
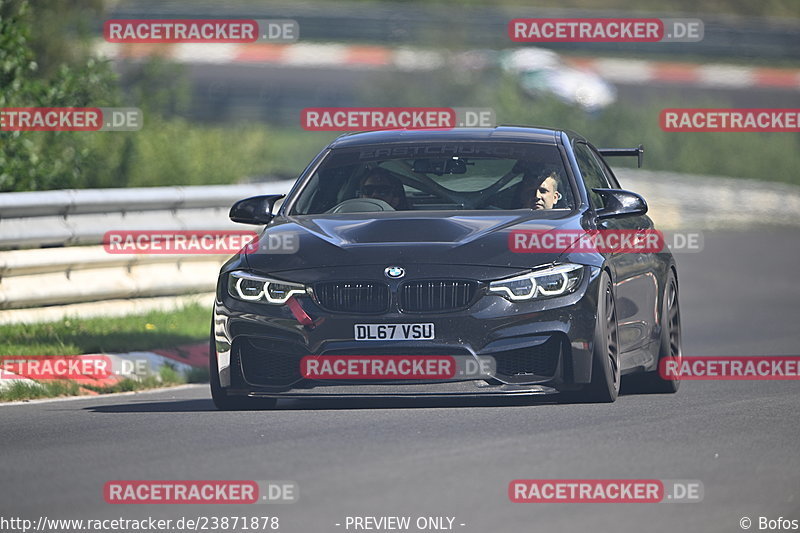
[[605, 384], [670, 342]]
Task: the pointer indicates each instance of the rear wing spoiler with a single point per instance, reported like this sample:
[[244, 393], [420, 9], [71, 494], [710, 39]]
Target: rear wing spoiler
[[624, 152]]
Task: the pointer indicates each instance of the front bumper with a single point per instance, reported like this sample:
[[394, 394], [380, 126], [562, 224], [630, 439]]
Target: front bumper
[[538, 347]]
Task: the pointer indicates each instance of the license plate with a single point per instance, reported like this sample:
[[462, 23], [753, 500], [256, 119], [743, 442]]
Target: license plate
[[394, 332]]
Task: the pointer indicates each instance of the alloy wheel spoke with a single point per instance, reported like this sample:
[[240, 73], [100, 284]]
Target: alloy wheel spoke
[[611, 337]]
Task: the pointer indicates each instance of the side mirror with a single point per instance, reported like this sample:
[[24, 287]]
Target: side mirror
[[619, 203], [255, 210]]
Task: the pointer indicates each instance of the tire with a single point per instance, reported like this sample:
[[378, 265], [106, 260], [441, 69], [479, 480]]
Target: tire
[[605, 384], [670, 341], [222, 401]]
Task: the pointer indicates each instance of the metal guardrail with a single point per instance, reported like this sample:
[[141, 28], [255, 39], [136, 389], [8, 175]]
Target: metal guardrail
[[37, 281], [66, 217], [39, 266]]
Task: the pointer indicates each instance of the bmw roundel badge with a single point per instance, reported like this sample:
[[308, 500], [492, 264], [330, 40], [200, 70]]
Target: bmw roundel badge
[[394, 272]]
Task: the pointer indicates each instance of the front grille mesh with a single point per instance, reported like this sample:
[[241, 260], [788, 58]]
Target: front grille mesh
[[269, 362], [436, 296], [425, 296], [541, 360], [352, 296]]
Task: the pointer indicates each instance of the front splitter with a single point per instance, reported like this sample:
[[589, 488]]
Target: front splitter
[[449, 390]]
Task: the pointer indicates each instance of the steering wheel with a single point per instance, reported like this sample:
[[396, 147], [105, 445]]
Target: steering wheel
[[360, 205]]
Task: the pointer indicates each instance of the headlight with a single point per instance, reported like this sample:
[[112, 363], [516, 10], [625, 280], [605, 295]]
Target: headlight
[[252, 288], [553, 281]]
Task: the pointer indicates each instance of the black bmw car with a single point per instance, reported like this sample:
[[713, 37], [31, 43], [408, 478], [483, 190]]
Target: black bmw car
[[446, 263]]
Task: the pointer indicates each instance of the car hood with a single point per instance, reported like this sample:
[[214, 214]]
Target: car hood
[[324, 241]]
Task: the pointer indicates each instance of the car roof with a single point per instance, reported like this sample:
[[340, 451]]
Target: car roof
[[498, 134]]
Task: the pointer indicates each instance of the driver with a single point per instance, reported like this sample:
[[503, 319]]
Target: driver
[[380, 184], [540, 191]]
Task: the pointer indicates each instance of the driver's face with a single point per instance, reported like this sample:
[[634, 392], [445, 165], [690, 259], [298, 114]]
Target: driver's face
[[543, 196], [380, 189]]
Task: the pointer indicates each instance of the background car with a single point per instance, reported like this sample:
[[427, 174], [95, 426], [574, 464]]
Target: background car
[[543, 72]]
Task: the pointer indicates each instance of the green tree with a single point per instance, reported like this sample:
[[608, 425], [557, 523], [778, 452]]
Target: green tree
[[47, 160]]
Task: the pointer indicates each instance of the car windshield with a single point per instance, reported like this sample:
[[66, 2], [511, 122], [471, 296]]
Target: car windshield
[[437, 176]]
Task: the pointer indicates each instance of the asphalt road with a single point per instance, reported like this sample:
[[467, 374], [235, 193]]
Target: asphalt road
[[739, 297]]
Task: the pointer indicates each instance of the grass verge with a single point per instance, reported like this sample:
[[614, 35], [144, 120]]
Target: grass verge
[[58, 388], [71, 336], [177, 152]]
